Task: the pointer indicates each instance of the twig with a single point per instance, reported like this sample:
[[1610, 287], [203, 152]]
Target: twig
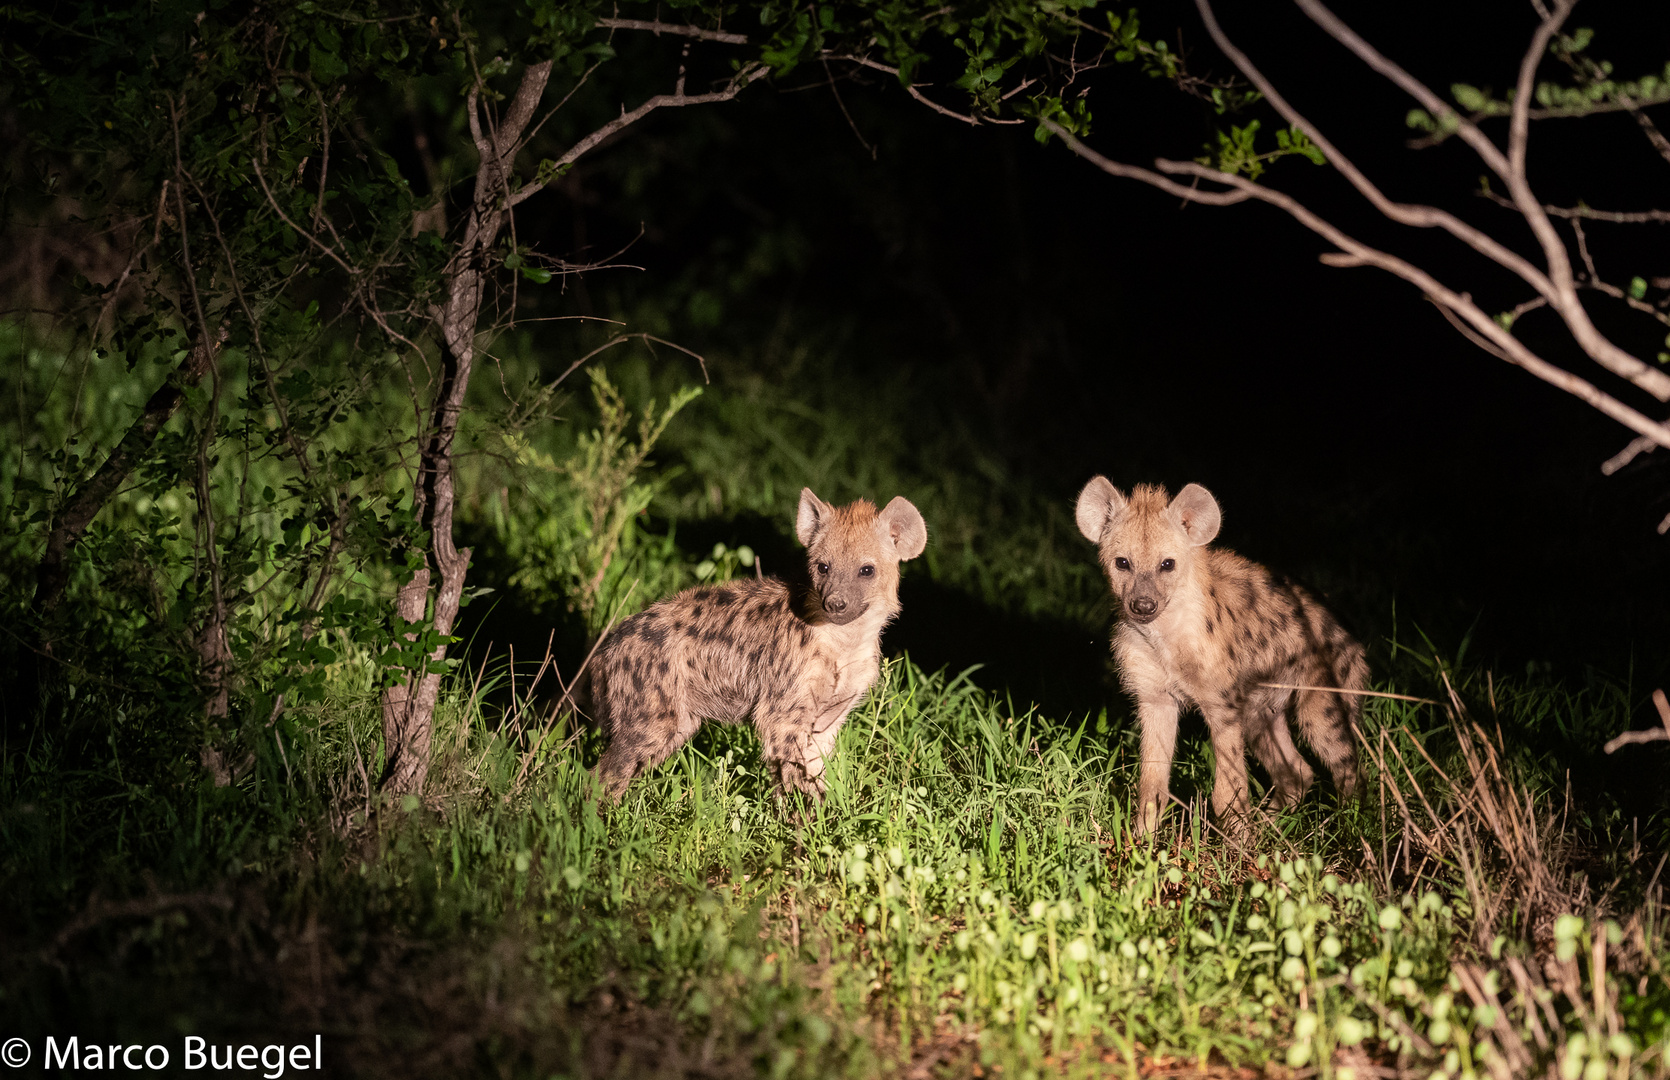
[[1588, 213], [1351, 693], [133, 257], [876, 65], [836, 90], [1147, 176], [1659, 734], [739, 82], [1637, 446], [656, 27]]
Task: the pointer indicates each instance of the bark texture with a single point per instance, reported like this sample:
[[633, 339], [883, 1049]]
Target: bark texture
[[409, 705]]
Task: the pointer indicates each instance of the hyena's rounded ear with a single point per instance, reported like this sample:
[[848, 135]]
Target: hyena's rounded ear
[[812, 516], [1098, 502], [905, 528], [1196, 512]]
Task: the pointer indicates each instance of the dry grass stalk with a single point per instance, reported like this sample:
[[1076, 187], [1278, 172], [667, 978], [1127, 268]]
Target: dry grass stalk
[[1518, 868]]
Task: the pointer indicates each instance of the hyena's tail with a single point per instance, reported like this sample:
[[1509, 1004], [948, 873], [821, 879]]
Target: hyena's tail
[[587, 693]]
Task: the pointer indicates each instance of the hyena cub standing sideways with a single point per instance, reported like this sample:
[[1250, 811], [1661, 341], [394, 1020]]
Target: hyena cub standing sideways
[[797, 663], [1205, 627]]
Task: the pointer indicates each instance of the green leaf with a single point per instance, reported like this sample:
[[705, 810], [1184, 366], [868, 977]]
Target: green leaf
[[1470, 98]]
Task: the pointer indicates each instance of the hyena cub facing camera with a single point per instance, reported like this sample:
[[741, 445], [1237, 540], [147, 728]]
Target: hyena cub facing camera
[[796, 661], [1205, 627]]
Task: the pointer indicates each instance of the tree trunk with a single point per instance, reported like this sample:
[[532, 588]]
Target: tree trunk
[[52, 575], [409, 705]]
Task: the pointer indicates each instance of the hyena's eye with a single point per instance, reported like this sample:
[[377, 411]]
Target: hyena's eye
[[1121, 563], [823, 568], [866, 571], [1168, 565]]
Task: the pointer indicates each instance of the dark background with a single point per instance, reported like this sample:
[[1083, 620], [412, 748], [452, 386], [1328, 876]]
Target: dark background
[[1080, 324]]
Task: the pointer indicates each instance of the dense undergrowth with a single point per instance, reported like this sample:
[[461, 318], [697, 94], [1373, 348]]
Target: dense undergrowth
[[968, 894], [968, 900]]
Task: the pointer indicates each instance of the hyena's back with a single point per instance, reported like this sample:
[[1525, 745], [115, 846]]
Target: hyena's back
[[708, 653]]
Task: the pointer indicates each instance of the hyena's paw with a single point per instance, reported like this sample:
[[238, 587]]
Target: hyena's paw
[[1348, 781], [1286, 793], [614, 772], [793, 778], [611, 786], [1236, 826], [1148, 818]]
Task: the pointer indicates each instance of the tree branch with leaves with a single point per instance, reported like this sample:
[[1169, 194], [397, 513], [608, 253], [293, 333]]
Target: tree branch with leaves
[[1557, 277]]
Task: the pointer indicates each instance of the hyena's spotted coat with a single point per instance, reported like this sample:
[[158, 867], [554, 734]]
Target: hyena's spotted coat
[[1205, 627], [795, 660]]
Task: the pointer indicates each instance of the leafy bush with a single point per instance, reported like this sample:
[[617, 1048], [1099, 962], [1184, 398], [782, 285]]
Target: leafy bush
[[576, 534]]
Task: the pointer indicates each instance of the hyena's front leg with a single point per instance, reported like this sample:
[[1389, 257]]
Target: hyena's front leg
[[1157, 716], [1229, 784], [786, 739], [819, 743]]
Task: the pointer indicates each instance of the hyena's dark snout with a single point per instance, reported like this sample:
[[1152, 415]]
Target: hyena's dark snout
[[842, 608], [1142, 607]]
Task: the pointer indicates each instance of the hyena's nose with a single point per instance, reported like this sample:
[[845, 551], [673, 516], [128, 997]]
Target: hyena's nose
[[1143, 605], [834, 605]]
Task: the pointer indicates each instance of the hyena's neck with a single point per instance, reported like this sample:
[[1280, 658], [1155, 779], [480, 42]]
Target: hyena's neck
[[1184, 617]]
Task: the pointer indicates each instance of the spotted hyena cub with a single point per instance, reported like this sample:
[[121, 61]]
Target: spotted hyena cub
[[1202, 626], [796, 660]]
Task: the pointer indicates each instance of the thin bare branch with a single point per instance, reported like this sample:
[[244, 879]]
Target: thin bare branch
[[836, 90], [1637, 446], [1617, 217], [1147, 176], [656, 27], [738, 83], [534, 129], [272, 201], [1527, 306], [1481, 328], [876, 65], [1650, 129], [1558, 283], [1480, 323], [1658, 734], [133, 260]]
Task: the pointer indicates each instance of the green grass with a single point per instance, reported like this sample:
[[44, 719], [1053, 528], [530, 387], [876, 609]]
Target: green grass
[[967, 893]]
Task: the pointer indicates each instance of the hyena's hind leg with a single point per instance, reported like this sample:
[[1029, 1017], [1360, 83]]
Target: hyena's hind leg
[[1272, 744], [642, 734], [1326, 718]]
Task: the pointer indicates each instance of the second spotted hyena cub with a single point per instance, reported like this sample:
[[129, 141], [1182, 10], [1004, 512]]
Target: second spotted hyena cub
[[1205, 627], [796, 661]]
